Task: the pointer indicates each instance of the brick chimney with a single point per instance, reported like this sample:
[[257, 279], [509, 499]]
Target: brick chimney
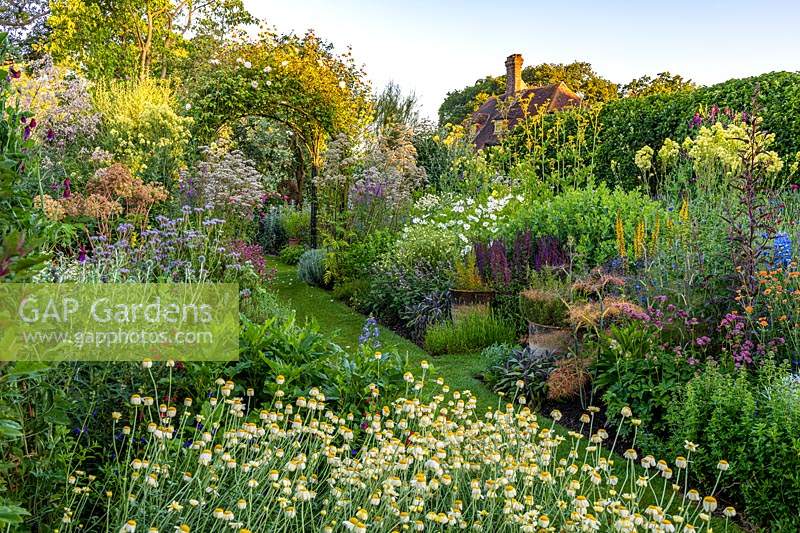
[[514, 82]]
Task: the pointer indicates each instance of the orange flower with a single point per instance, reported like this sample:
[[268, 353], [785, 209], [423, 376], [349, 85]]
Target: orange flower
[[748, 309]]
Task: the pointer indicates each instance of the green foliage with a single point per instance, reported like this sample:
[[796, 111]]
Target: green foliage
[[547, 308], [143, 128], [523, 372], [663, 83], [351, 292], [393, 108], [131, 39], [416, 267], [460, 104], [296, 81], [470, 333], [357, 260], [311, 267], [271, 233], [552, 151], [466, 276], [299, 353], [268, 144], [296, 222], [578, 76], [628, 124], [425, 245], [586, 217], [305, 358], [18, 224], [754, 424], [291, 253], [630, 369]]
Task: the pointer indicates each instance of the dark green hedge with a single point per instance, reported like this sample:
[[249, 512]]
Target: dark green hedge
[[630, 123]]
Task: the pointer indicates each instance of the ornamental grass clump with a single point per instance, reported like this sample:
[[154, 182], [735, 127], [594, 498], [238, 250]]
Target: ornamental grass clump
[[413, 464], [311, 267], [543, 307]]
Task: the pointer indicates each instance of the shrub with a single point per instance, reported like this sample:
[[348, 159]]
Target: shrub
[[628, 124], [757, 424], [297, 223], [586, 217], [351, 292], [143, 128], [525, 372], [467, 277], [291, 253], [630, 368], [470, 333], [311, 267], [417, 265], [358, 259], [271, 233], [543, 307]]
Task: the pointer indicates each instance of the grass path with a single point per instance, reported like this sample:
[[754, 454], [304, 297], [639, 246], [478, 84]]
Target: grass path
[[343, 324]]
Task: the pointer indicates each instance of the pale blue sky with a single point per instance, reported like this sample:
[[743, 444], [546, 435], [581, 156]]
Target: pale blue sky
[[435, 46]]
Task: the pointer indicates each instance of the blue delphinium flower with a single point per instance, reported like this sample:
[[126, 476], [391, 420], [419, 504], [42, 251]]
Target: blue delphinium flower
[[370, 333], [782, 249]]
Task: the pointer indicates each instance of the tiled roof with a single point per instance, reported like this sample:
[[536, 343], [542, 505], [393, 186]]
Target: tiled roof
[[556, 96]]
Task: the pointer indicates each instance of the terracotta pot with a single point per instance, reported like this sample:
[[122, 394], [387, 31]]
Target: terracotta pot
[[465, 297]]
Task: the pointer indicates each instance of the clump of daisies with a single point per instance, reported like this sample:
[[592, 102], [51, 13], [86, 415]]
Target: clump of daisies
[[295, 465]]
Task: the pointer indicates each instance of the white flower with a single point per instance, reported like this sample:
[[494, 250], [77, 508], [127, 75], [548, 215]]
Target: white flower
[[254, 84], [709, 504], [342, 85], [247, 64], [187, 107], [267, 70]]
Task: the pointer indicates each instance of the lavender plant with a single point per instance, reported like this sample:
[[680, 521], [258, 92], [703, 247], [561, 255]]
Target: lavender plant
[[187, 249]]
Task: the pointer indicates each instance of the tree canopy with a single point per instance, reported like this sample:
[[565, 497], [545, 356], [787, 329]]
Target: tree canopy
[[663, 83], [134, 38]]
